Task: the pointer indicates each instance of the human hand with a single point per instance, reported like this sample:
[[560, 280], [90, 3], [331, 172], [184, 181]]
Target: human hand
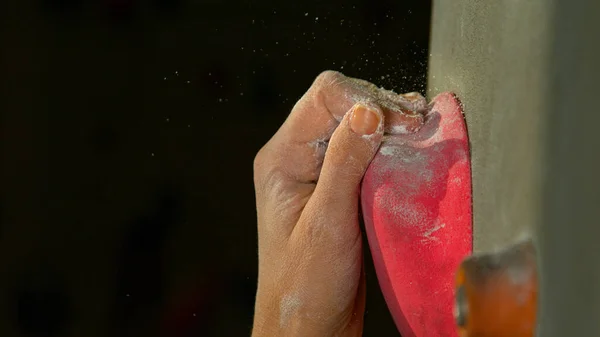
[[307, 178]]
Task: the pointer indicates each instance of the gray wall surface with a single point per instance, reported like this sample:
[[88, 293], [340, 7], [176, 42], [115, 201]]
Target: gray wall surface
[[569, 231], [527, 73], [492, 54]]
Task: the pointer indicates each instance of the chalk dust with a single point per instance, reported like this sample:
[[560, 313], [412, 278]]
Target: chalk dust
[[428, 233], [288, 306], [400, 129]]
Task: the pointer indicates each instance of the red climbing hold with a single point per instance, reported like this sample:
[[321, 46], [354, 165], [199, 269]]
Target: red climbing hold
[[416, 204]]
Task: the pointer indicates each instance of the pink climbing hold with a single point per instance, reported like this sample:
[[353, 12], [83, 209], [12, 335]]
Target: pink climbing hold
[[416, 204]]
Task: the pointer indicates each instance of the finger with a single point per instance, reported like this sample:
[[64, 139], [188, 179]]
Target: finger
[[298, 148], [412, 107], [287, 167], [351, 149], [360, 303], [332, 95]]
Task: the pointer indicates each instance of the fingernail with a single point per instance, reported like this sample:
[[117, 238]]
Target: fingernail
[[364, 120]]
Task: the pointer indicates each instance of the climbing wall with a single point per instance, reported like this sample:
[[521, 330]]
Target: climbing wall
[[493, 54], [527, 73]]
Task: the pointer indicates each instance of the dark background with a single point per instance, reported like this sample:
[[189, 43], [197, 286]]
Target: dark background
[[128, 132]]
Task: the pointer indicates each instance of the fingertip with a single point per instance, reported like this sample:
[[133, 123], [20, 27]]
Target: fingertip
[[355, 141]]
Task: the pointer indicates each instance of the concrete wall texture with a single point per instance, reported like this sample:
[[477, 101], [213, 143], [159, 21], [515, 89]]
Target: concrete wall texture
[[492, 54], [526, 72]]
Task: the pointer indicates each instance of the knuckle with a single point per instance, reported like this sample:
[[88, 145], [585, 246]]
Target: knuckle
[[259, 160], [315, 97], [326, 79], [267, 172], [329, 75], [261, 164]]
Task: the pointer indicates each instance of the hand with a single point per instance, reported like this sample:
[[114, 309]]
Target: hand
[[307, 178]]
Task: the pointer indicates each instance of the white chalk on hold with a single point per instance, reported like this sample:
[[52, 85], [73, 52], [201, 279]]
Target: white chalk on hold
[[400, 129]]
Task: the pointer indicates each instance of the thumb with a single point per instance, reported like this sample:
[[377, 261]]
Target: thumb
[[351, 149]]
